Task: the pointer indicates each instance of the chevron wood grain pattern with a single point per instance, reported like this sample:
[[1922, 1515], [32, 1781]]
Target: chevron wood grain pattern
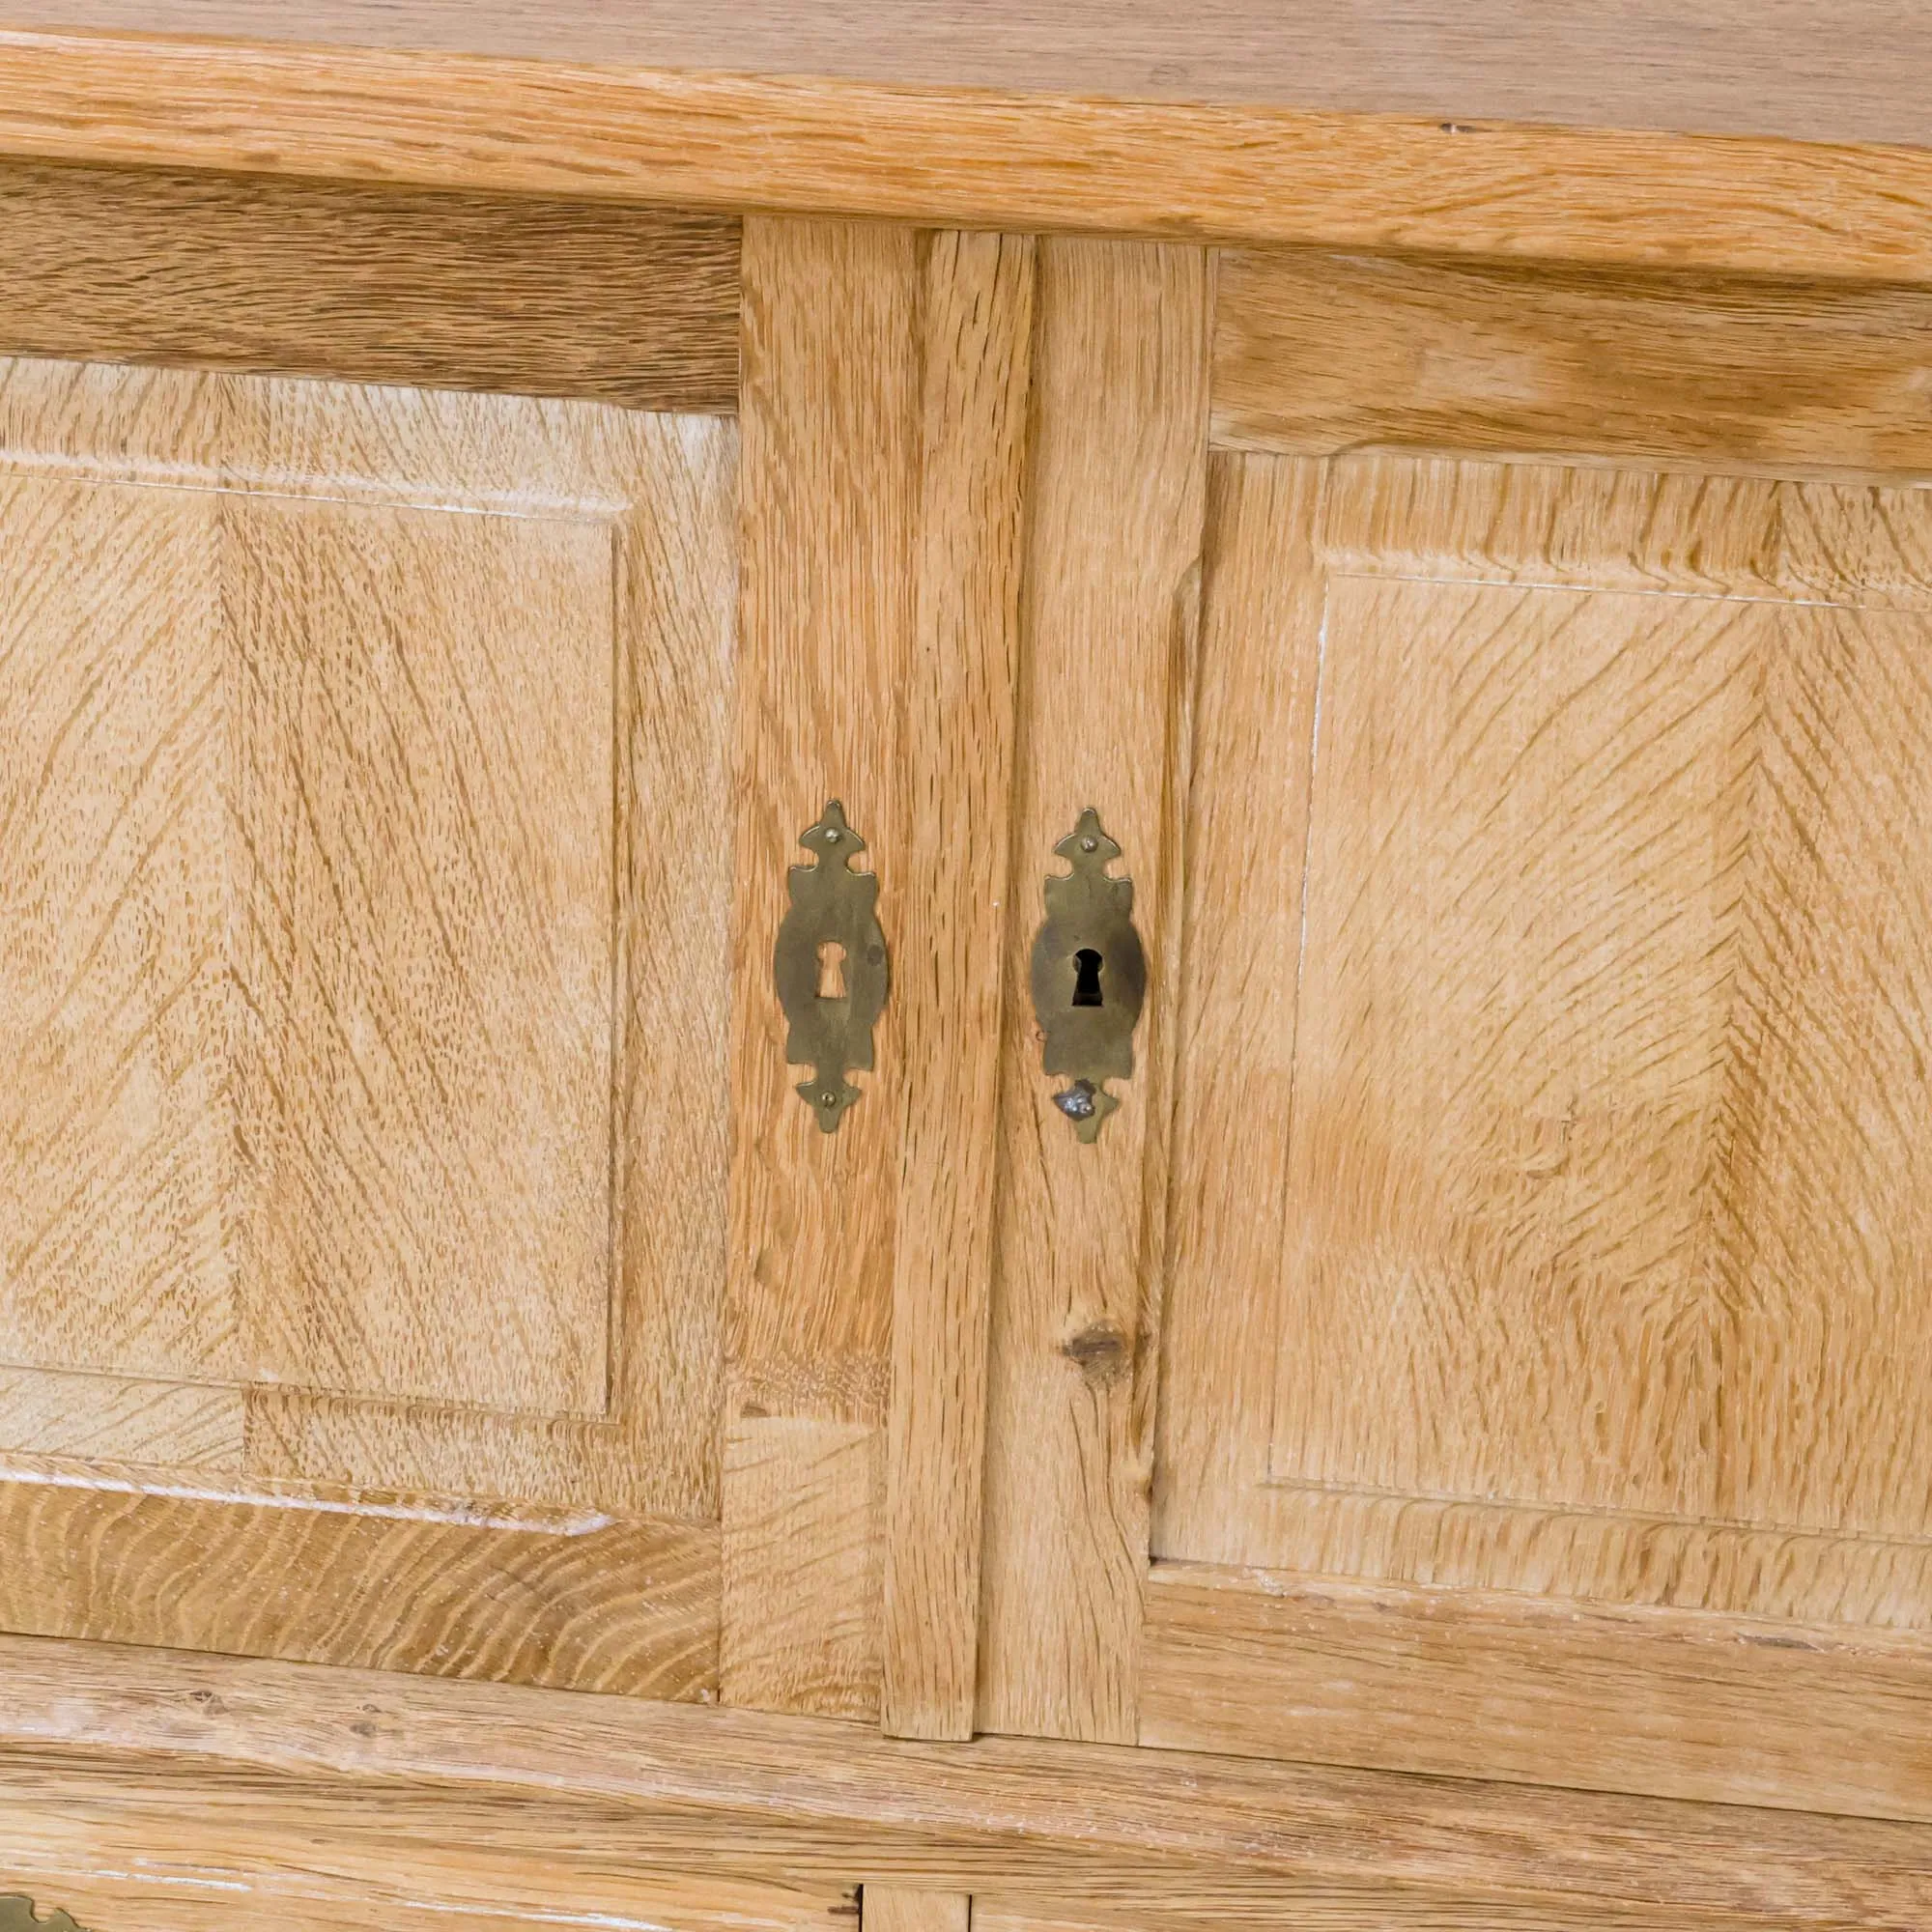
[[636, 306], [115, 1195], [1315, 353], [1572, 1064], [831, 424], [1811, 1717], [381, 1772], [1114, 535], [976, 336], [428, 1036], [1176, 170], [346, 937]]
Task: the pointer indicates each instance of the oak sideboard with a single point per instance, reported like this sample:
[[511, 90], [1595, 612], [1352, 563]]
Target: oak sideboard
[[965, 966]]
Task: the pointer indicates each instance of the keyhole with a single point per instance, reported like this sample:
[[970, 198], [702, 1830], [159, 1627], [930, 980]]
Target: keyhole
[[1087, 979], [830, 970]]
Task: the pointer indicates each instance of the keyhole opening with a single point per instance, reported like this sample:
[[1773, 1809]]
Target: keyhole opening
[[830, 970], [1087, 979]]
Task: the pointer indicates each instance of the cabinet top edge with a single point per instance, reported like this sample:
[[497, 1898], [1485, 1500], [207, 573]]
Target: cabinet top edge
[[1061, 154], [1806, 69]]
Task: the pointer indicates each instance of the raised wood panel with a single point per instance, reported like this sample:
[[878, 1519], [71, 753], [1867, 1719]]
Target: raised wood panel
[[1528, 833], [116, 1195], [423, 811], [1316, 353], [1558, 1012], [344, 1236], [637, 306]]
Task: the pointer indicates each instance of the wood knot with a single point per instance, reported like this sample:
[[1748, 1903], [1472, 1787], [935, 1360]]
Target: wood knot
[[1099, 1351]]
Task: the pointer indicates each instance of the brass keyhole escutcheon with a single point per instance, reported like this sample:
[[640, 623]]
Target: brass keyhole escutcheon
[[829, 967], [1089, 977]]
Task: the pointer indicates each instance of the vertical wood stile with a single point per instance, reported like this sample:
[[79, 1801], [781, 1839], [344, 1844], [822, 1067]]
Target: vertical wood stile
[[1115, 514], [975, 342], [884, 424], [830, 416]]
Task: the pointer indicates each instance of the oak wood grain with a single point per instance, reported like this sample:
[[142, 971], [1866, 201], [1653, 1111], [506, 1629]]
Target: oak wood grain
[[1808, 71], [832, 447], [1315, 353], [1366, 1909], [1593, 1410], [1114, 540], [963, 159], [343, 943], [364, 284], [1246, 845], [976, 336], [629, 1607], [1679, 1703], [427, 1048], [379, 1767], [120, 1861], [902, 1908], [123, 1419]]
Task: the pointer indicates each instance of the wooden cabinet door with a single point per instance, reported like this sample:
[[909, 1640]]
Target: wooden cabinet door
[[1549, 1327], [363, 908]]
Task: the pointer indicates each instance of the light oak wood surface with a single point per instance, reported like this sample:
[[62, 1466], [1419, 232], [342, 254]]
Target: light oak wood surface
[[1557, 1019], [378, 285], [831, 447], [1811, 1717], [976, 334], [120, 1863], [339, 945], [1367, 1908], [1806, 70], [899, 1908], [378, 1766], [970, 158], [1316, 353], [1112, 579]]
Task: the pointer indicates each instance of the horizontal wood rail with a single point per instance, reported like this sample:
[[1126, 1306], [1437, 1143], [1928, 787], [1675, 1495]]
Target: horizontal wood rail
[[976, 160], [633, 1785]]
